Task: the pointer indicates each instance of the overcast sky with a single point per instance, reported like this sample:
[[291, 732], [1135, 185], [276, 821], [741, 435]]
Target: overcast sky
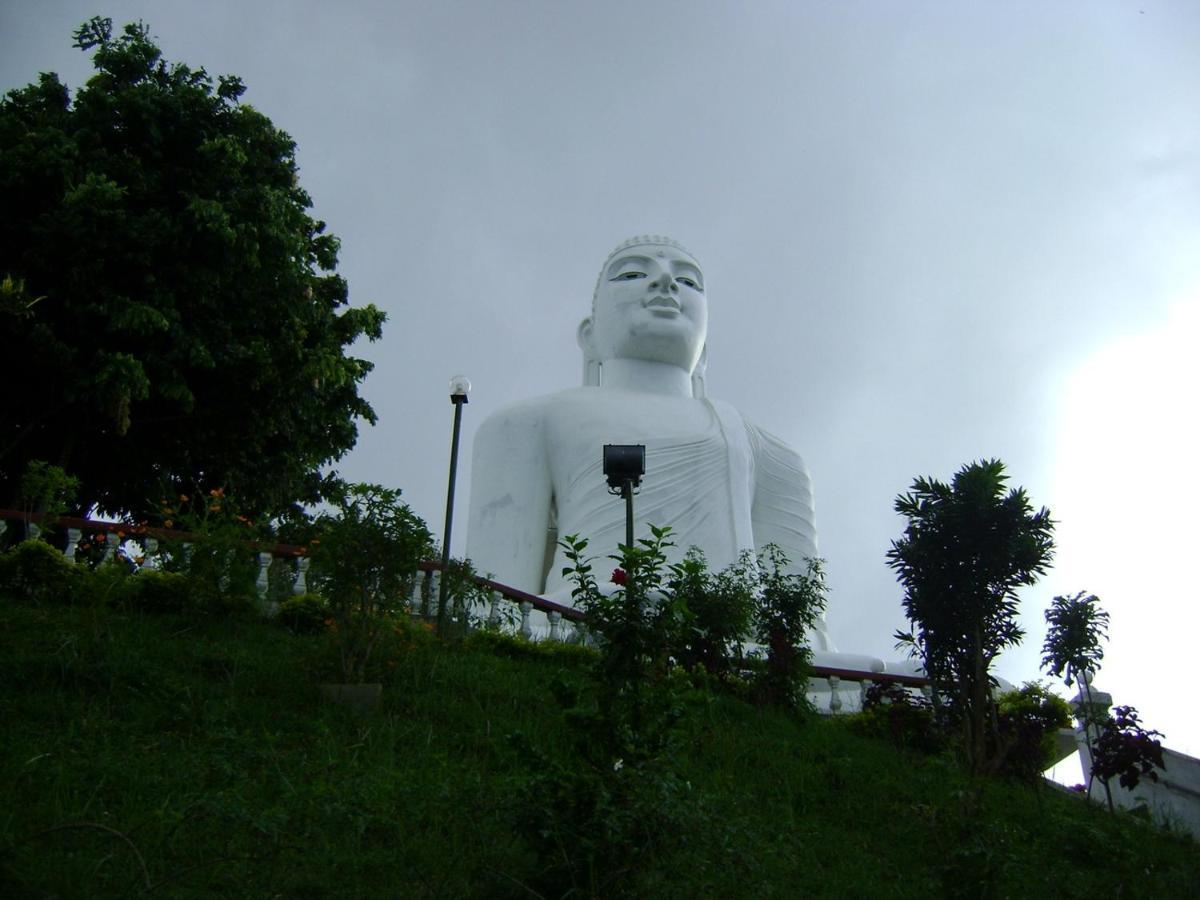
[[931, 233]]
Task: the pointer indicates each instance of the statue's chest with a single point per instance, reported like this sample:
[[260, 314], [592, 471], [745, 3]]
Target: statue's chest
[[611, 421], [576, 437]]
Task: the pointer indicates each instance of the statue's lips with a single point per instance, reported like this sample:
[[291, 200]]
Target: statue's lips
[[664, 306]]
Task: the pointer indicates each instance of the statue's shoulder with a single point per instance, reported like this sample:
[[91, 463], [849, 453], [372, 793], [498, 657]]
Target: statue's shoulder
[[767, 447], [535, 412]]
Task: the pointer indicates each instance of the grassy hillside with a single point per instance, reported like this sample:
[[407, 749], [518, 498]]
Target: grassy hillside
[[184, 756]]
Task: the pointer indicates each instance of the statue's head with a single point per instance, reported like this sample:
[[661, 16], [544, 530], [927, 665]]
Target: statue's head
[[649, 304]]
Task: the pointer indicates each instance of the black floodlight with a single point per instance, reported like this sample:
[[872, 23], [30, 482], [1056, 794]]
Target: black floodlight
[[624, 464]]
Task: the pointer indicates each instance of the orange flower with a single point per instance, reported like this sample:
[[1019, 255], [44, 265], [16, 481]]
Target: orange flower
[[183, 498], [167, 523]]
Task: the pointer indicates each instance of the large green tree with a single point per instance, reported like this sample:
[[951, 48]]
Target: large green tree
[[171, 313], [968, 546]]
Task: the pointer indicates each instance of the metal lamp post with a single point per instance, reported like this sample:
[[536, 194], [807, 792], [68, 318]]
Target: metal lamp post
[[624, 466], [460, 386]]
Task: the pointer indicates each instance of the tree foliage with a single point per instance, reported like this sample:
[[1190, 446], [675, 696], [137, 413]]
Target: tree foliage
[[1076, 630], [968, 546], [171, 304], [1127, 751]]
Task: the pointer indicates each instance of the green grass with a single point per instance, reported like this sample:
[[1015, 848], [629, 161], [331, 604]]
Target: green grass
[[188, 757]]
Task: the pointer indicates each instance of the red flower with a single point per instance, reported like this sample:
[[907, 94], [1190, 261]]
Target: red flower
[[619, 576]]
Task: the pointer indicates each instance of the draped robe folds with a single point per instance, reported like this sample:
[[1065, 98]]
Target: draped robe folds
[[719, 482]]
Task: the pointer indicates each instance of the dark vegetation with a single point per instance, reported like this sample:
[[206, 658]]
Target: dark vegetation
[[185, 753], [966, 549], [172, 305]]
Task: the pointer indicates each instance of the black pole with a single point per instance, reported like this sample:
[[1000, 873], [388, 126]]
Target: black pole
[[458, 400]]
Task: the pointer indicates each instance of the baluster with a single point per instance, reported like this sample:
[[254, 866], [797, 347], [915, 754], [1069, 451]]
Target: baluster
[[494, 611], [226, 565], [426, 592], [262, 581], [835, 701], [526, 627], [112, 541], [927, 693], [185, 556], [73, 537], [555, 618], [863, 687], [3, 528], [150, 560], [435, 593], [33, 531], [300, 582]]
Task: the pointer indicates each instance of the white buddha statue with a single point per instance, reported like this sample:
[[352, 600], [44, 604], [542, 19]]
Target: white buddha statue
[[719, 482]]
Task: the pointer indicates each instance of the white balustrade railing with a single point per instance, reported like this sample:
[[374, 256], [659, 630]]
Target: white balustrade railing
[[115, 534], [425, 597]]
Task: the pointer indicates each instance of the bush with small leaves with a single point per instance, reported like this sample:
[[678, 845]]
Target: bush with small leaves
[[901, 716], [304, 614], [719, 611], [1029, 719], [365, 565], [156, 592], [34, 572], [789, 606]]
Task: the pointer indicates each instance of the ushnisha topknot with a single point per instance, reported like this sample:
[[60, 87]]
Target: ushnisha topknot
[[641, 240]]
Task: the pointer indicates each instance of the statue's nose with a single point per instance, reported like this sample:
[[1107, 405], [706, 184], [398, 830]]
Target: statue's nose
[[665, 281]]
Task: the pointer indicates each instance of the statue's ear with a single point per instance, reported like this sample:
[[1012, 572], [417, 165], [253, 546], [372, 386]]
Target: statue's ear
[[584, 336], [591, 366]]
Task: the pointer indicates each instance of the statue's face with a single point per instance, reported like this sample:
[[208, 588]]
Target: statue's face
[[650, 305]]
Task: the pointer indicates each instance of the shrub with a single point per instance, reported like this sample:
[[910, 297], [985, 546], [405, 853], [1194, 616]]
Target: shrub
[[789, 605], [220, 562], [365, 565], [718, 611], [157, 592], [1028, 720], [1126, 750], [464, 597], [35, 572], [906, 719], [304, 614], [514, 646]]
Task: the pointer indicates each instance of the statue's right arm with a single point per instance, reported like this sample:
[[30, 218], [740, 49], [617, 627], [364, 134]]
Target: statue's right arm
[[510, 497]]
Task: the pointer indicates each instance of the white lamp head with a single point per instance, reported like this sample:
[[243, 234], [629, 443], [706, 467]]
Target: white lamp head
[[460, 386]]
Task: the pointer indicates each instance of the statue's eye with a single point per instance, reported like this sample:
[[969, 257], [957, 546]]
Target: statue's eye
[[690, 282], [629, 276]]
